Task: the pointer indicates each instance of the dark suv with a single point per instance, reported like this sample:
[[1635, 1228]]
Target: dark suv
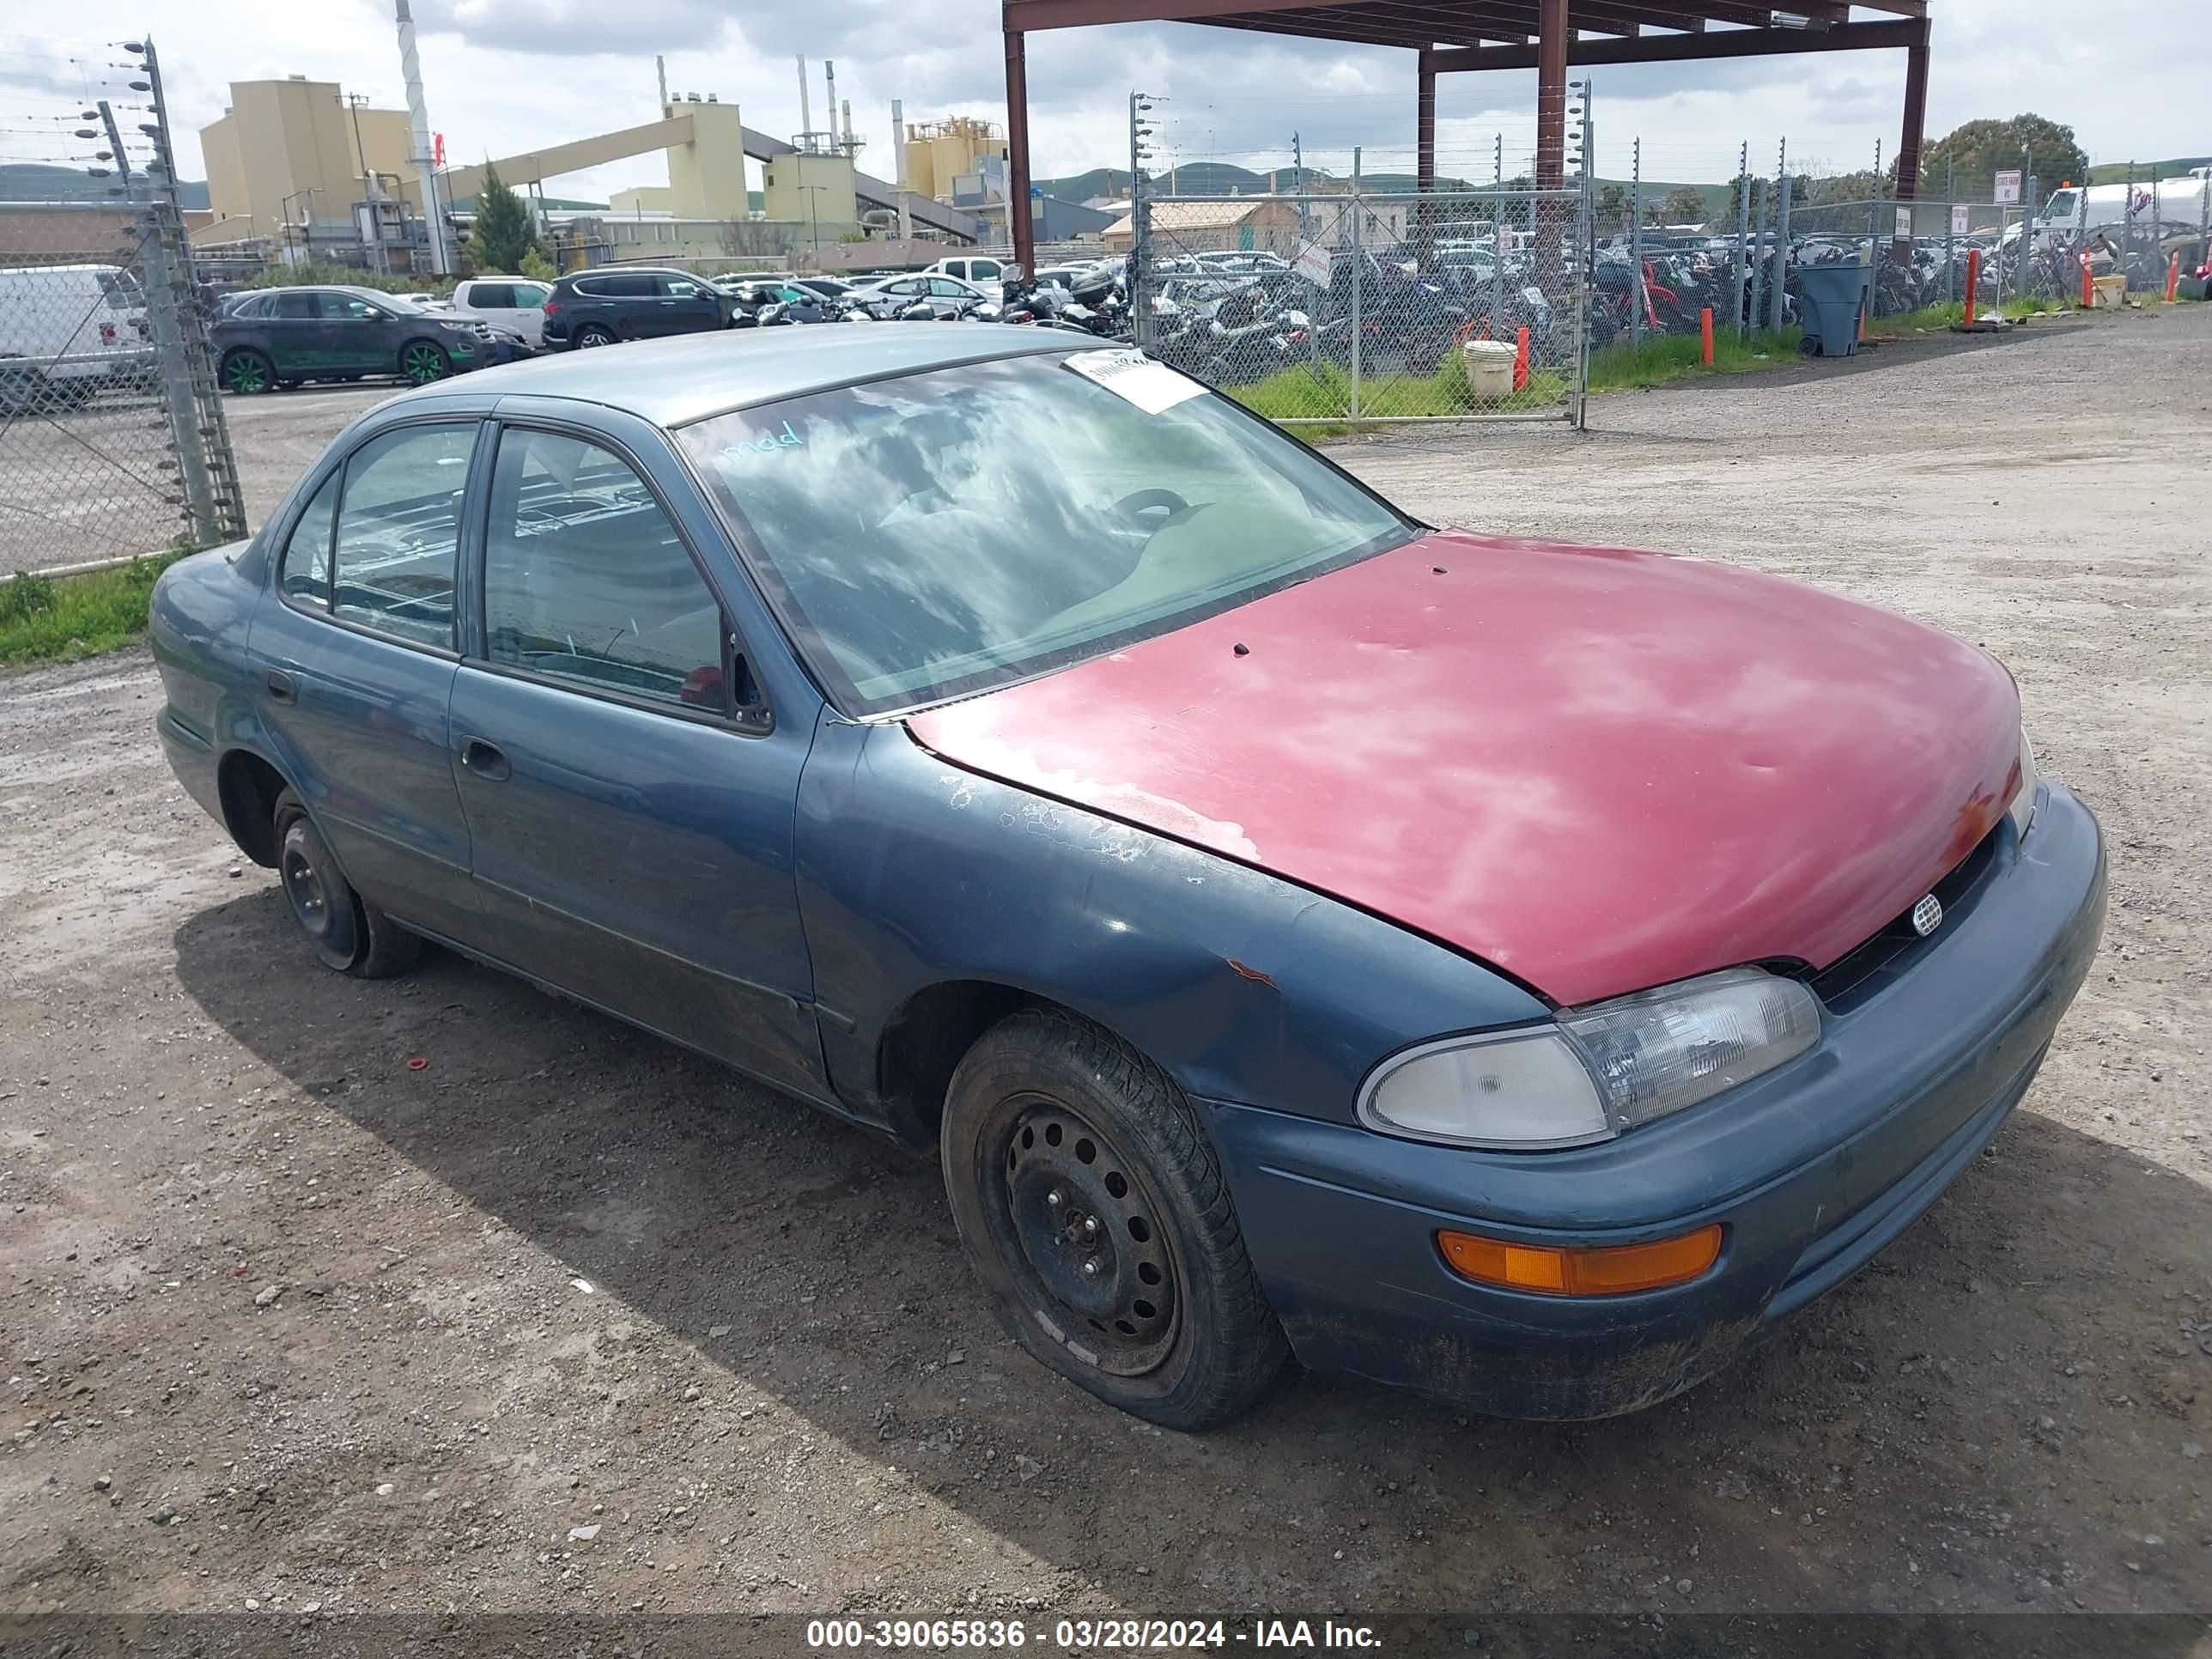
[[287, 335], [599, 307]]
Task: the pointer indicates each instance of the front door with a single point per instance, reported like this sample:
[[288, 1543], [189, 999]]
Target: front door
[[356, 335], [688, 306], [630, 810], [357, 665]]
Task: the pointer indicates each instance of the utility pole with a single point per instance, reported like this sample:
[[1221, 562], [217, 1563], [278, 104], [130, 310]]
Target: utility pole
[[1636, 239], [1742, 236], [813, 225], [1305, 192], [353, 101]]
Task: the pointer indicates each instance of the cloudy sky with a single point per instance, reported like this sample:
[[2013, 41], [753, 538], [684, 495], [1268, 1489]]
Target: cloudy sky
[[508, 75]]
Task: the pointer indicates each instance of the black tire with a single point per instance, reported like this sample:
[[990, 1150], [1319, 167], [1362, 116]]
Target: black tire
[[423, 362], [350, 935], [594, 334], [1124, 1270]]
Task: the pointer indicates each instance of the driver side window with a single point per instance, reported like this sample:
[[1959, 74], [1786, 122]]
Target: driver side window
[[586, 581]]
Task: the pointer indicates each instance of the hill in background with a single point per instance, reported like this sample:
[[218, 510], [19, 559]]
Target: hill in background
[[35, 181]]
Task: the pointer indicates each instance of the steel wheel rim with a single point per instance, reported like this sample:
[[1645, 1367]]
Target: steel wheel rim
[[245, 374], [1083, 1238], [310, 900], [423, 364]]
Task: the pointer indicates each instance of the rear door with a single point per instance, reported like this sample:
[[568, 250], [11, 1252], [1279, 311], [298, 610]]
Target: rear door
[[355, 667], [292, 323], [631, 802]]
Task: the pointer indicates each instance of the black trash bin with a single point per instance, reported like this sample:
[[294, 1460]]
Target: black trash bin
[[1832, 298]]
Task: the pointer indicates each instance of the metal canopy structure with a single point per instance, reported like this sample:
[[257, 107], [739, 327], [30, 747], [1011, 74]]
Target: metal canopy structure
[[1450, 36]]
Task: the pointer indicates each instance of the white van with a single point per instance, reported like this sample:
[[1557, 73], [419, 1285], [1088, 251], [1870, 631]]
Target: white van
[[68, 331], [515, 303], [2079, 209]]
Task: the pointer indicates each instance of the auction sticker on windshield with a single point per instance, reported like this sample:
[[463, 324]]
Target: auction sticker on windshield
[[1153, 387]]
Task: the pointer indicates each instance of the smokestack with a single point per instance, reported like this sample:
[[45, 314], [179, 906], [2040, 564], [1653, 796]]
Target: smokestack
[[418, 140], [898, 153], [829, 74], [660, 74], [805, 118], [852, 146]]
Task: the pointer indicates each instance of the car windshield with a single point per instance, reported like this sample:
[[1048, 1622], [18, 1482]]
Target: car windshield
[[942, 534]]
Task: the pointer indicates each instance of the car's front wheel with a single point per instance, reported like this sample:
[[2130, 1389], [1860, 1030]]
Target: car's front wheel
[[421, 362], [348, 933], [1094, 1209]]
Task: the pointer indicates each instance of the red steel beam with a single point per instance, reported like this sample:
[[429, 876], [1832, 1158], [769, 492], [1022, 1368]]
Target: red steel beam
[[1018, 152], [1916, 112], [1688, 48], [1555, 37]]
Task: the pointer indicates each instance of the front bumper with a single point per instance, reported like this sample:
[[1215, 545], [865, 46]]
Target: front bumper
[[1811, 1169]]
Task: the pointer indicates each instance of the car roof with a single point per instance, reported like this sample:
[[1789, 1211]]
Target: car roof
[[681, 378]]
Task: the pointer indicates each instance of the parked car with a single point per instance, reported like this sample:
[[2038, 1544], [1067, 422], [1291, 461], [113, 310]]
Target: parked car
[[1520, 971], [945, 296], [599, 307], [69, 331], [826, 287], [513, 303], [286, 336], [977, 268]]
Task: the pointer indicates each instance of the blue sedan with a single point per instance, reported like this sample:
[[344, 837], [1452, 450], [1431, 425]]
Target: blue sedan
[[1516, 971]]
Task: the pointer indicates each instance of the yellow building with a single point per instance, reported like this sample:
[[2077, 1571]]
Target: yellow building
[[286, 150], [939, 152], [808, 189]]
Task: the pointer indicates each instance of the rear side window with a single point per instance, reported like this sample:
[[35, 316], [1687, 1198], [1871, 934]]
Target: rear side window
[[638, 285], [306, 574], [586, 581], [293, 305], [492, 296], [398, 528], [680, 288], [528, 295]]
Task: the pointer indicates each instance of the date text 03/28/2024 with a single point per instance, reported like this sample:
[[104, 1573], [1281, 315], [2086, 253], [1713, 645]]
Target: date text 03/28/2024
[[1081, 1635]]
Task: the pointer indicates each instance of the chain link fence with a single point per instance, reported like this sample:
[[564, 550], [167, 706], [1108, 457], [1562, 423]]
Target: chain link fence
[[1358, 304], [112, 438]]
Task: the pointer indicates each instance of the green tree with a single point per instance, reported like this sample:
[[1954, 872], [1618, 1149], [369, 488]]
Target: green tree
[[536, 265], [1685, 205], [1613, 204], [1970, 157], [505, 231]]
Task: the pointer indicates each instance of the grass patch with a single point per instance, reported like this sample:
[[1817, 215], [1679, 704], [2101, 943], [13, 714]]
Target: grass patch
[[1323, 390], [1624, 365], [59, 619], [1952, 314]]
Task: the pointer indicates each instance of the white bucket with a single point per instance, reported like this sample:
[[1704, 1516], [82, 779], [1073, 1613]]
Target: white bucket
[[1489, 365]]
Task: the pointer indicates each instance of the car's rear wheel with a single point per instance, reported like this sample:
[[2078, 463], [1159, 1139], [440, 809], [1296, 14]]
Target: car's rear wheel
[[247, 371], [350, 935], [421, 362], [595, 334], [1093, 1207]]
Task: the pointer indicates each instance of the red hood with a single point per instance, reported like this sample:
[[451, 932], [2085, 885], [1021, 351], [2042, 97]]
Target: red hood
[[1599, 770]]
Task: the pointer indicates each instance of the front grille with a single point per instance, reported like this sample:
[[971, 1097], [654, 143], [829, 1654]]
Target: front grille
[[1884, 959]]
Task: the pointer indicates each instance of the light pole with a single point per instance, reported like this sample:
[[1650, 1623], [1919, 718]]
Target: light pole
[[813, 225]]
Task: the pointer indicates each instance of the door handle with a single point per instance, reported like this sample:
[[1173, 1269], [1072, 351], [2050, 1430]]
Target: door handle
[[487, 761], [282, 688]]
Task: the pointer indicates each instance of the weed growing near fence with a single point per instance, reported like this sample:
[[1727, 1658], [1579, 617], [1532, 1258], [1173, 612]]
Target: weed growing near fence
[[1950, 315], [59, 619], [1323, 390], [1624, 366]]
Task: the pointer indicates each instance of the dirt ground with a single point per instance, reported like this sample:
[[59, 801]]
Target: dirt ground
[[287, 1324]]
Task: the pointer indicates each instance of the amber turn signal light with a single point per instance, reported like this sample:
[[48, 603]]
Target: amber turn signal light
[[1607, 1270]]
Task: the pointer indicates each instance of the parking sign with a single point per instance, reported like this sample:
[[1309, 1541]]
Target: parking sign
[[2008, 188], [1904, 224], [1959, 219]]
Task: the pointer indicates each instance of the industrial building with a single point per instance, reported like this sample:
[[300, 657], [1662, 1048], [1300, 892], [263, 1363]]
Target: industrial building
[[295, 151]]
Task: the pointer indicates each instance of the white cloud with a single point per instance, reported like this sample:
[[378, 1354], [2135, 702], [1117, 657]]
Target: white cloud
[[504, 75]]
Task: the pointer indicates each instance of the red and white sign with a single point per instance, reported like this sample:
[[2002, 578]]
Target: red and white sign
[[2008, 192]]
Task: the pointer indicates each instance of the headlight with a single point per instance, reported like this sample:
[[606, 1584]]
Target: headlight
[[2022, 810], [1597, 1071]]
